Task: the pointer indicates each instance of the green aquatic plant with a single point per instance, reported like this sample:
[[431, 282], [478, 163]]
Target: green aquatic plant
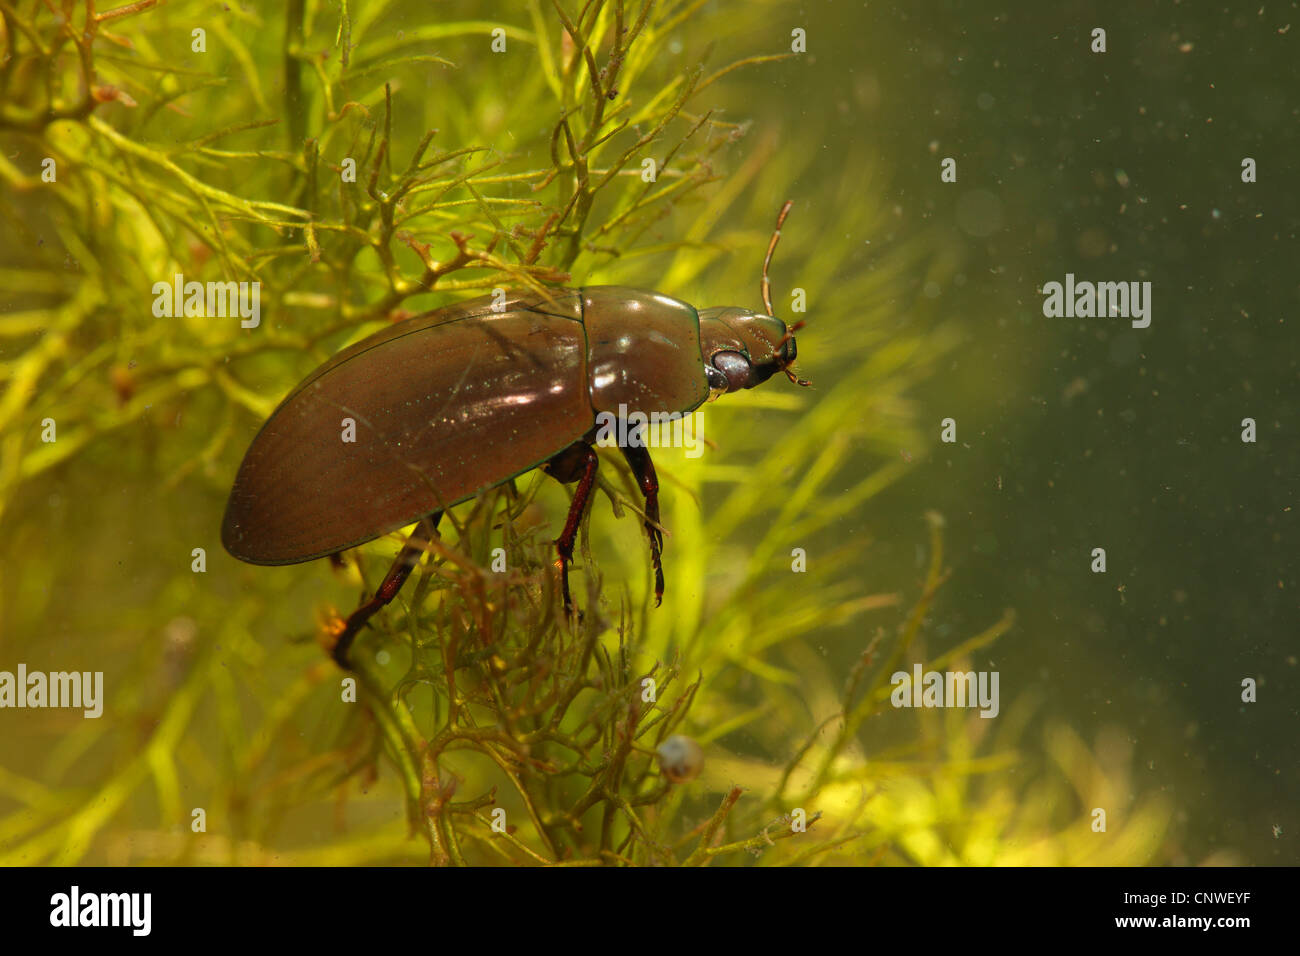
[[361, 162]]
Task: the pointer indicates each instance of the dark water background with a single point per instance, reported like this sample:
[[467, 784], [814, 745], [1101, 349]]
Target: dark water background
[[1083, 433]]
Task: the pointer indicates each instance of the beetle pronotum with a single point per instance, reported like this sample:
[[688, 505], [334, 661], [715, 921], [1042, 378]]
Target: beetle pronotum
[[461, 399]]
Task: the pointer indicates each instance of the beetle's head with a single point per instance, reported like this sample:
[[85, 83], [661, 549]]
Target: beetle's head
[[742, 349]]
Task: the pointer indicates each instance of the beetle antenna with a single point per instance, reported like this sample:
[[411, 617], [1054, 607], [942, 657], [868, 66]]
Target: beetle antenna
[[767, 260], [766, 287]]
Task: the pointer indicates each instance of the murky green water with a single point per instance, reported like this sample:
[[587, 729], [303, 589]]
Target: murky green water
[[1075, 434]]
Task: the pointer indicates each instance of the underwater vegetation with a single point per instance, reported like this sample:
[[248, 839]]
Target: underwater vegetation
[[361, 163]]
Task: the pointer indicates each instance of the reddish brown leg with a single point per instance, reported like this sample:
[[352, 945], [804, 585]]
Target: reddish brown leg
[[644, 470], [577, 463], [406, 561]]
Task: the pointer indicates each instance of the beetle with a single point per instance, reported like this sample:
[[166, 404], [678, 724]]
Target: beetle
[[456, 401]]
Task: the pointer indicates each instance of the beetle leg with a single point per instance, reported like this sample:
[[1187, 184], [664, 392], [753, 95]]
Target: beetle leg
[[406, 561], [578, 463], [638, 457]]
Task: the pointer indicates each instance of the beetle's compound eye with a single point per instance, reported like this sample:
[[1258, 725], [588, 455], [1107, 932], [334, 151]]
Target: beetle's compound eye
[[736, 370]]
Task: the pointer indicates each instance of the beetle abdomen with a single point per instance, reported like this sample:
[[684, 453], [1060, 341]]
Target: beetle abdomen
[[443, 405]]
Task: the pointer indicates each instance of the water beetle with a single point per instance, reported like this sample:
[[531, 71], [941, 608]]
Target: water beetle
[[464, 398]]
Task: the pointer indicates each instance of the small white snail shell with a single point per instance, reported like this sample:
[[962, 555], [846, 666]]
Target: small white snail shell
[[680, 758]]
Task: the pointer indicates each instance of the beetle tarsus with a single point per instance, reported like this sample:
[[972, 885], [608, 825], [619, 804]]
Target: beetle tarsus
[[638, 457], [405, 562]]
